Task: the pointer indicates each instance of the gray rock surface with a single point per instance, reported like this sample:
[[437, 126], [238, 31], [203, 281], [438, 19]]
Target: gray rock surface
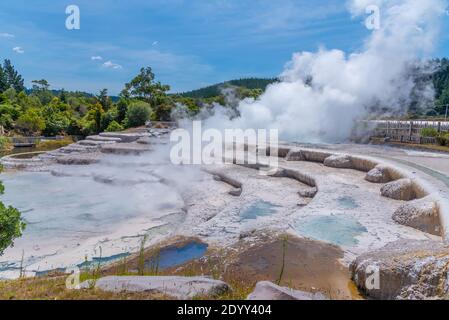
[[421, 214], [338, 161], [84, 159], [379, 174], [406, 269], [401, 189], [125, 148], [178, 287], [294, 155], [100, 138], [308, 193], [266, 290], [125, 137], [94, 142], [145, 140]]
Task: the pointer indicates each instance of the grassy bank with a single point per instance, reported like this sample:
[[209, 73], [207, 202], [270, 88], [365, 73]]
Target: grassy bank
[[296, 263]]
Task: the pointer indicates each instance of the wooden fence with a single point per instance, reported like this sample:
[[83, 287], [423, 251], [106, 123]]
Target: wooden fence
[[407, 131]]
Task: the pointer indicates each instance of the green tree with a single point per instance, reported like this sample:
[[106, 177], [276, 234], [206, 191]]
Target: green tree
[[10, 78], [114, 126], [41, 89], [122, 108], [94, 117], [144, 87], [31, 121], [104, 99], [138, 113], [11, 224], [442, 101], [57, 118], [63, 96]]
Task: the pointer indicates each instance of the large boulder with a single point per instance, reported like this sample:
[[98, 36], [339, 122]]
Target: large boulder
[[269, 291], [406, 269], [177, 287], [421, 214], [379, 174], [402, 189], [338, 161]]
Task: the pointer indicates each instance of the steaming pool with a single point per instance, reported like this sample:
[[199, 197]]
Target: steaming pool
[[85, 215], [66, 207]]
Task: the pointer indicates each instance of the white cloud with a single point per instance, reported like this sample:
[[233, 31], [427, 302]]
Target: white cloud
[[110, 64], [96, 58], [155, 43], [18, 50], [6, 35]]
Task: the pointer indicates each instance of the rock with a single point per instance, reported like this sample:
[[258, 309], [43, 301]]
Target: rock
[[94, 142], [379, 174], [269, 291], [78, 159], [421, 214], [401, 189], [125, 148], [100, 138], [338, 161], [308, 193], [294, 155], [236, 192], [178, 287], [406, 269], [145, 140], [125, 137]]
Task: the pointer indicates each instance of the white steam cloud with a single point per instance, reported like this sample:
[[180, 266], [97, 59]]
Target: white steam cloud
[[322, 94]]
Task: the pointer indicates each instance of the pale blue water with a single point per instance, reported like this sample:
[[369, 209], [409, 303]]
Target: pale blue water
[[258, 209], [339, 230], [347, 203], [175, 256]]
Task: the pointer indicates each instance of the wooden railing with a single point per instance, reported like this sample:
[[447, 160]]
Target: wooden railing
[[407, 131]]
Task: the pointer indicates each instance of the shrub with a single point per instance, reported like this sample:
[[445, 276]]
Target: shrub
[[138, 113], [53, 144], [31, 121], [5, 144], [443, 139], [11, 224], [429, 132], [114, 126]]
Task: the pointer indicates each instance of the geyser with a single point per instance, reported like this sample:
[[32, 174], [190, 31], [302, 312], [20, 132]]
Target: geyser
[[320, 95]]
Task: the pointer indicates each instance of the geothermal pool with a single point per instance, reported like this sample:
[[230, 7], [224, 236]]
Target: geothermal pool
[[82, 215]]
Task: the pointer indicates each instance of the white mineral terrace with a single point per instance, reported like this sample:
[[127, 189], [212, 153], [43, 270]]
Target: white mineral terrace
[[99, 199]]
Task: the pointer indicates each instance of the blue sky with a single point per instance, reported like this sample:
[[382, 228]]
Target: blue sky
[[189, 43]]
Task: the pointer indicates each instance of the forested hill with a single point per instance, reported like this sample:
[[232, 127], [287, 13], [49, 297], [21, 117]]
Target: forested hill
[[214, 90]]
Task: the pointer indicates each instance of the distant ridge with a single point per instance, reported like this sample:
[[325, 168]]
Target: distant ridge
[[214, 90]]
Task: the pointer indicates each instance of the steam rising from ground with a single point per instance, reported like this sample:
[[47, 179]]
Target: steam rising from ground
[[322, 94]]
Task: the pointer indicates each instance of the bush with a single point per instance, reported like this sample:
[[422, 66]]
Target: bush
[[429, 132], [4, 143], [138, 113], [11, 224], [114, 126], [31, 121], [443, 139]]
